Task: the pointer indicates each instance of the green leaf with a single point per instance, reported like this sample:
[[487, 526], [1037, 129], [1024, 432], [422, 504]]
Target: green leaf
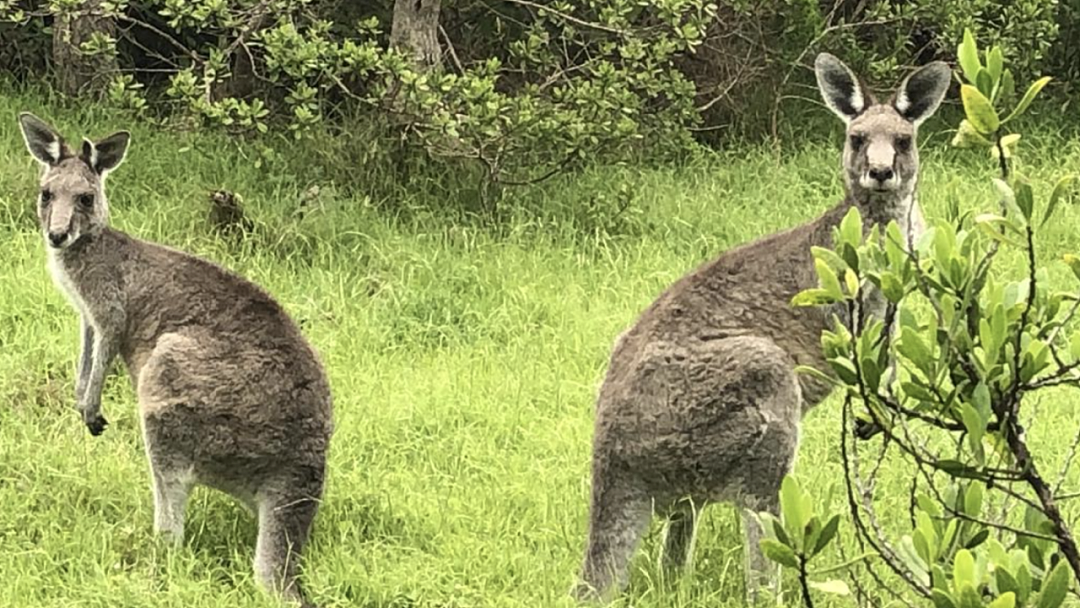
[[827, 534], [977, 539], [956, 468], [1005, 600], [1025, 198], [976, 428], [1023, 582], [791, 508], [830, 284], [813, 297], [973, 499], [1054, 587], [1060, 189], [1074, 345], [779, 553], [968, 55], [851, 227], [834, 587], [817, 374], [1073, 262], [978, 110], [980, 398], [1028, 97], [891, 287], [963, 568], [999, 557], [995, 63], [1008, 198], [967, 136], [828, 256], [984, 82], [969, 598], [1008, 142], [911, 345], [942, 599], [845, 370], [1008, 86], [1006, 582], [851, 281]]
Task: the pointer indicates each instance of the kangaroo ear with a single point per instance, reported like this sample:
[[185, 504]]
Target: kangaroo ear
[[106, 154], [839, 87], [920, 94], [43, 142]]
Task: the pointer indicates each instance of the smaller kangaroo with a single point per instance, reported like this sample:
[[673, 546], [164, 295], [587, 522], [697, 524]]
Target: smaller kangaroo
[[701, 402], [230, 393]]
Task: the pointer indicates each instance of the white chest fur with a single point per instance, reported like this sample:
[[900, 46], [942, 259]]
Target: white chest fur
[[63, 281]]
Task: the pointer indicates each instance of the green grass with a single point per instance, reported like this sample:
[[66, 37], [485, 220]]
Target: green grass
[[464, 361]]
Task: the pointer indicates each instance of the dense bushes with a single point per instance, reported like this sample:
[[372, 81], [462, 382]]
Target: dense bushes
[[520, 88]]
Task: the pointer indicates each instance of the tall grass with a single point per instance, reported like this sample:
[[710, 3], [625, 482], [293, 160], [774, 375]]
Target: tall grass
[[464, 360]]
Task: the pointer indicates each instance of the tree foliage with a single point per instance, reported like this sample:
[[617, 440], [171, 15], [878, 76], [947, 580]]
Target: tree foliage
[[970, 347]]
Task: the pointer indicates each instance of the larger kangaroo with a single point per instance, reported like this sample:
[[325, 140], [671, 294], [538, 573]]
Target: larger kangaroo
[[701, 402], [230, 393]]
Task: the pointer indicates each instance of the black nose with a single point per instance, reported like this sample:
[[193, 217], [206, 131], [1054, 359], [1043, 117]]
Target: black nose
[[56, 238], [881, 175]]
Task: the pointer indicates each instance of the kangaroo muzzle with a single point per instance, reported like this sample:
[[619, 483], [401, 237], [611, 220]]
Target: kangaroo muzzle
[[60, 232]]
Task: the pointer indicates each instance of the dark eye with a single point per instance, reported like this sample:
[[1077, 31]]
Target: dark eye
[[857, 141], [903, 143], [46, 197], [86, 201]]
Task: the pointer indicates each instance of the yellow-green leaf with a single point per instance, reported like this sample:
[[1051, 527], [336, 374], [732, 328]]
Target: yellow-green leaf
[[968, 55], [1054, 586], [995, 63], [779, 552], [851, 281], [1005, 600], [979, 110], [1073, 262], [1028, 97], [1059, 191], [967, 136], [835, 587], [829, 281]]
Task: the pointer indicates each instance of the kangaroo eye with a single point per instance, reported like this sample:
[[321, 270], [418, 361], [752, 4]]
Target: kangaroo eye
[[86, 201], [857, 141], [903, 143], [46, 197]]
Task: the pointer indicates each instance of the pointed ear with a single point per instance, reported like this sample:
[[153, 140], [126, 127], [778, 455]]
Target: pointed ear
[[839, 87], [920, 94], [43, 142], [106, 154]]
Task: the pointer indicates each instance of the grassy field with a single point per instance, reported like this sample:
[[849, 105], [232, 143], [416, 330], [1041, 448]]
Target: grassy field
[[464, 362]]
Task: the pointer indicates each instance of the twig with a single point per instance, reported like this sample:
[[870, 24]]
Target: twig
[[450, 48], [570, 18]]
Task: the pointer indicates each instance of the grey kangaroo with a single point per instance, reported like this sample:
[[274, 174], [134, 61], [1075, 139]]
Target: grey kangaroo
[[230, 393], [701, 402]]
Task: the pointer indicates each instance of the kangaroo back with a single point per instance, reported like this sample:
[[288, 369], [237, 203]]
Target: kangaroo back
[[701, 402]]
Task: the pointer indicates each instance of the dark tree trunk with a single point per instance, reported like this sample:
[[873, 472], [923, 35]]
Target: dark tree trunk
[[77, 72], [415, 31]]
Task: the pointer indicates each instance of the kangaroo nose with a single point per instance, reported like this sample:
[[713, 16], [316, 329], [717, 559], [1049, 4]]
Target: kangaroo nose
[[881, 174], [57, 238]]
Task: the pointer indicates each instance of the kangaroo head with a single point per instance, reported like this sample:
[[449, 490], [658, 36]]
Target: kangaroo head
[[881, 160], [72, 202]]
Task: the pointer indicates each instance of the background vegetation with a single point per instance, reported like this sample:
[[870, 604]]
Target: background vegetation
[[462, 226]]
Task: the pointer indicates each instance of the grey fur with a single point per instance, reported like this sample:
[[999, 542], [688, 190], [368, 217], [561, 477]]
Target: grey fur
[[701, 402], [230, 393]]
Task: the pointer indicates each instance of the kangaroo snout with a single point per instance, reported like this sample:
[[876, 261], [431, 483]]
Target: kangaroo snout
[[881, 174], [59, 240]]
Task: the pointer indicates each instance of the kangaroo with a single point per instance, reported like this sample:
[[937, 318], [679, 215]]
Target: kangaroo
[[230, 393], [701, 402]]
